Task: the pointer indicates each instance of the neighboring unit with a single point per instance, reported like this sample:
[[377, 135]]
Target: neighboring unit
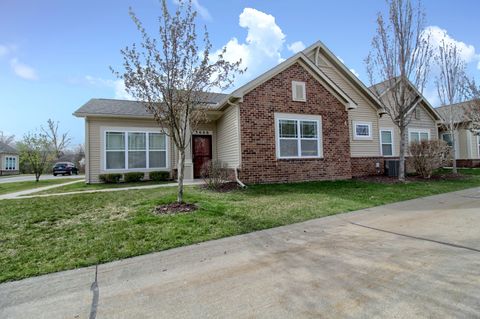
[[308, 118], [467, 143], [423, 122], [9, 160]]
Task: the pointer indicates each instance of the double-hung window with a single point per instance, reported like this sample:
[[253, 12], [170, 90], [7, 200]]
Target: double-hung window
[[299, 137], [135, 150], [157, 150], [362, 130], [386, 139], [447, 137], [10, 163], [115, 150], [418, 135]]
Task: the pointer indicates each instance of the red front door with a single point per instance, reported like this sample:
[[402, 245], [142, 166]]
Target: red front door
[[202, 153]]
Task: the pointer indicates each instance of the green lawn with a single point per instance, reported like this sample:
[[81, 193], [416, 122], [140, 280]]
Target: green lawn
[[87, 187], [6, 188], [42, 235]]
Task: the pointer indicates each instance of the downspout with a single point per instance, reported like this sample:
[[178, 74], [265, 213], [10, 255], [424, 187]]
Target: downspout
[[239, 182]]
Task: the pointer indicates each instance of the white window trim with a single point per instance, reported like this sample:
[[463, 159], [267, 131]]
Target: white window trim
[[362, 137], [418, 130], [478, 146], [127, 130], [294, 92], [299, 117], [387, 129], [15, 162]]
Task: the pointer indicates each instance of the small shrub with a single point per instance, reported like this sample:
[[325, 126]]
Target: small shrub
[[159, 176], [132, 177], [110, 178], [427, 156], [214, 173]]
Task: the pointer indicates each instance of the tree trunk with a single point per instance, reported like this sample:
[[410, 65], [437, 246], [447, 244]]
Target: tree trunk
[[403, 144], [37, 176], [454, 153], [181, 173]]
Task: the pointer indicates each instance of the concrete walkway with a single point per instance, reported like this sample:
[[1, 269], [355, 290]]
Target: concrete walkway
[[25, 194], [31, 178], [414, 259], [20, 194]]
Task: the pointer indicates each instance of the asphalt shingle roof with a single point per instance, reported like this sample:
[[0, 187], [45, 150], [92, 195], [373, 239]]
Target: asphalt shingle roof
[[5, 148], [132, 108]]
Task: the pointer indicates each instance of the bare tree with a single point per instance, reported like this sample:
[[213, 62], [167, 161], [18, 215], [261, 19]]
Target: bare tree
[[37, 152], [452, 87], [400, 60], [171, 76], [59, 141], [7, 139]]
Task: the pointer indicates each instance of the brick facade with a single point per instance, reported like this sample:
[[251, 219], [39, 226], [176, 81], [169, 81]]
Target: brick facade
[[257, 123], [468, 162], [364, 166]]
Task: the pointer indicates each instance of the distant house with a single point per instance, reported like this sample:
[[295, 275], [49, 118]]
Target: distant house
[[9, 160], [467, 142], [308, 118]]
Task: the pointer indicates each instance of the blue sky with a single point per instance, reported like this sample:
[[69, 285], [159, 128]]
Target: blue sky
[[55, 55]]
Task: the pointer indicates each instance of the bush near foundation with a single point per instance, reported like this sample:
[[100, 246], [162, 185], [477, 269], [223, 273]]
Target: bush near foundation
[[427, 156]]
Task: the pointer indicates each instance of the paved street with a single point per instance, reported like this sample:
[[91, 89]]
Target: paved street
[[415, 259]]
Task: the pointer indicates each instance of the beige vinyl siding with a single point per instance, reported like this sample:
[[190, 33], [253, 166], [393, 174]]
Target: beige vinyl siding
[[424, 122], [95, 149], [365, 112], [228, 137], [467, 144]]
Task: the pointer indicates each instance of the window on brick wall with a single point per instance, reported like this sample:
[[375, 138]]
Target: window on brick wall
[[298, 136], [298, 91]]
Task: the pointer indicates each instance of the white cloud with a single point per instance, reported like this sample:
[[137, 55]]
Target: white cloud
[[355, 72], [118, 86], [3, 50], [296, 46], [262, 46], [430, 93], [22, 70], [351, 70], [201, 10], [467, 52]]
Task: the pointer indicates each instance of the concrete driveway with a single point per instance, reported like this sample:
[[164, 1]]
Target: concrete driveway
[[415, 259], [29, 177]]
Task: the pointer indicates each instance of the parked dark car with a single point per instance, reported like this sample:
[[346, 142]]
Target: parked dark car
[[64, 168]]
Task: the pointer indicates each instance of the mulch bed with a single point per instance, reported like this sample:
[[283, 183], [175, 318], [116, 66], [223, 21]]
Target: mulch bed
[[175, 208], [412, 178], [225, 187]]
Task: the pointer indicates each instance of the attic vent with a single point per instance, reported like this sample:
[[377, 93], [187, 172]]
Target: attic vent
[[298, 91]]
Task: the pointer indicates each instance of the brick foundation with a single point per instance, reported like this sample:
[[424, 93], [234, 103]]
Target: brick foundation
[[259, 162], [468, 163], [9, 172], [365, 166]]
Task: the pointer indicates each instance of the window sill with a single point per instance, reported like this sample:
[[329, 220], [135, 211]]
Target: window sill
[[363, 138], [299, 158]]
